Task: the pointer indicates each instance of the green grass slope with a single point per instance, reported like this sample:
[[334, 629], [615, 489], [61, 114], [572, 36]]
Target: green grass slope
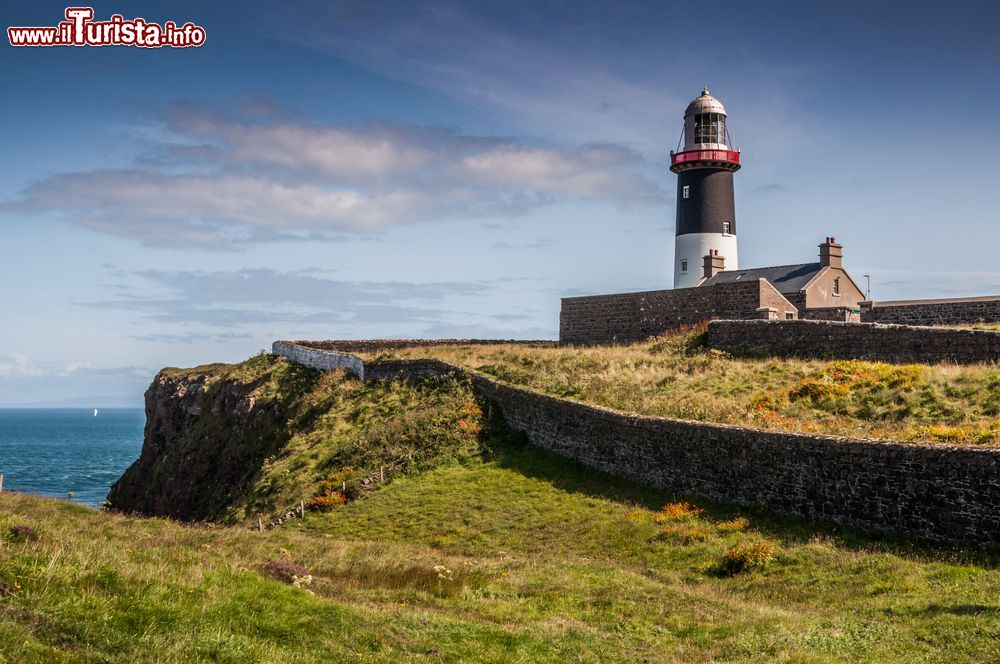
[[502, 553], [478, 548], [674, 376]]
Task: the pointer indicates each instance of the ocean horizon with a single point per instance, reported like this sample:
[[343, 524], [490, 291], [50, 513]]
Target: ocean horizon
[[68, 453]]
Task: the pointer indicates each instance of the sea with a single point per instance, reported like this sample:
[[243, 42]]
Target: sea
[[68, 453]]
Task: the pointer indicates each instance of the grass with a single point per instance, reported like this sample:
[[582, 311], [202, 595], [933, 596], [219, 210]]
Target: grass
[[342, 429], [483, 548], [507, 554], [673, 376], [990, 327]]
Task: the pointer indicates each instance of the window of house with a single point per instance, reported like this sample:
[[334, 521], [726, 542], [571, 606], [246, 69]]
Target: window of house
[[836, 286], [789, 315], [684, 266], [687, 191], [727, 228]]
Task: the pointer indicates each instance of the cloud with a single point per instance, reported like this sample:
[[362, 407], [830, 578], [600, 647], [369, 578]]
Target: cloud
[[227, 299], [217, 180], [205, 210], [19, 366], [773, 187], [23, 367], [59, 384], [585, 172], [891, 284], [540, 243], [72, 367], [190, 338]]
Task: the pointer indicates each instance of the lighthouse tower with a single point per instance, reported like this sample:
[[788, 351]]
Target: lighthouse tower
[[706, 212]]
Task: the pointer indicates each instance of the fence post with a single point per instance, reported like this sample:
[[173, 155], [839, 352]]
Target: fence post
[[302, 508], [343, 486], [381, 473], [1, 482], [260, 525]]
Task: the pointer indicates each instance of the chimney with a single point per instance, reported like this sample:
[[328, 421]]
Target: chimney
[[831, 254], [713, 263]]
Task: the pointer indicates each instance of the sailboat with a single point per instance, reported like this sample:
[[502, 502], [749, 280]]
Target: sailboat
[[95, 412]]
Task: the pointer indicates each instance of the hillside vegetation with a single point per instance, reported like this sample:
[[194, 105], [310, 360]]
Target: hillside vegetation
[[507, 554], [675, 376], [478, 547]]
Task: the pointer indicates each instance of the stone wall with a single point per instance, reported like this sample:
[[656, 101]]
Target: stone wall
[[955, 311], [411, 368], [631, 317], [314, 358], [937, 492], [931, 491], [863, 341]]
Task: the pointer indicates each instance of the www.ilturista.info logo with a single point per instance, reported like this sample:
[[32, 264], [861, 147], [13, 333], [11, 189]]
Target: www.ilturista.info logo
[[79, 29]]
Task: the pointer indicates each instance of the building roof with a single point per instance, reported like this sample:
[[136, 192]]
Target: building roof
[[785, 278], [705, 103]]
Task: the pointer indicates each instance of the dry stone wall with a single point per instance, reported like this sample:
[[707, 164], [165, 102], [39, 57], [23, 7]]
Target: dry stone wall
[[957, 311], [937, 492], [315, 358], [860, 341]]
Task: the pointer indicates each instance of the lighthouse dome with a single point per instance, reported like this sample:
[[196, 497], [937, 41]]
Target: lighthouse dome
[[705, 103]]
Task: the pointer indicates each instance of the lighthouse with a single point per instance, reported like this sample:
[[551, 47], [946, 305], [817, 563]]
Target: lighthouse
[[706, 211]]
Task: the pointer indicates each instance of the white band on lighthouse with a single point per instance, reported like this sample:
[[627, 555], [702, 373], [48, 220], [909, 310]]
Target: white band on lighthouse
[[691, 248]]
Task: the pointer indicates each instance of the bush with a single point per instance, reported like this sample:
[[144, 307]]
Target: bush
[[327, 500], [677, 512], [844, 386], [285, 572], [353, 491], [733, 525], [22, 533], [746, 556], [470, 418]]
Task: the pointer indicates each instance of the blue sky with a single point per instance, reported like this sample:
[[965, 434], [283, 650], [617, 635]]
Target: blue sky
[[342, 169]]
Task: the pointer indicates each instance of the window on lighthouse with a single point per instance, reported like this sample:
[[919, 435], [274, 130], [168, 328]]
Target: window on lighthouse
[[687, 191], [709, 128], [684, 266], [726, 228]]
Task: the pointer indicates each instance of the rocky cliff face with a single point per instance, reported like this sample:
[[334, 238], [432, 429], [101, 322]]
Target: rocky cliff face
[[207, 435]]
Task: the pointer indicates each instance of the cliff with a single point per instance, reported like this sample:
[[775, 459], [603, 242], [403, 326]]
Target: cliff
[[236, 442], [207, 435]]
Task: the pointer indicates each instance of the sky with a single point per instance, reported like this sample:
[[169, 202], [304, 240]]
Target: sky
[[322, 170]]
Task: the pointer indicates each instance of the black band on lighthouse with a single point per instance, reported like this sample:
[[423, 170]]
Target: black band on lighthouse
[[708, 204]]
